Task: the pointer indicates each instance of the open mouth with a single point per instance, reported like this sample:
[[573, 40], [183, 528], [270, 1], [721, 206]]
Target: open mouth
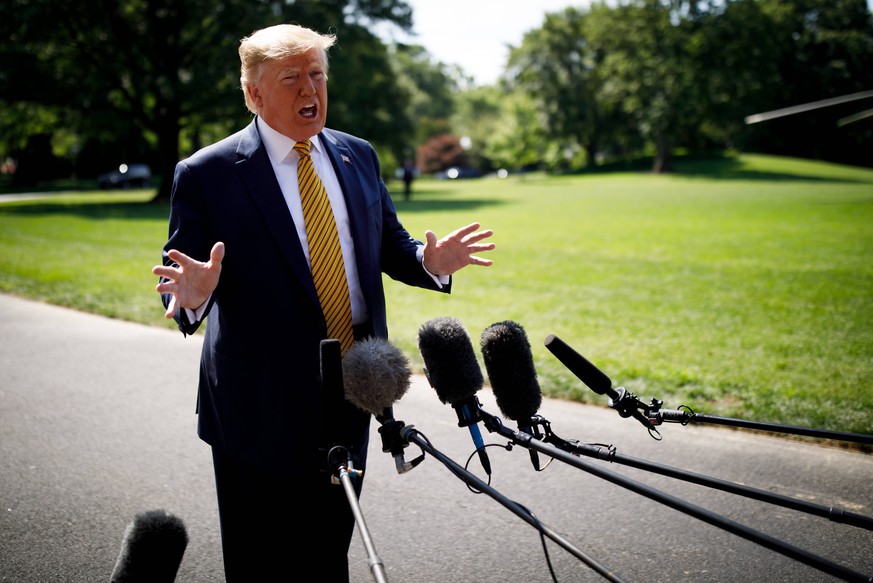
[[309, 112]]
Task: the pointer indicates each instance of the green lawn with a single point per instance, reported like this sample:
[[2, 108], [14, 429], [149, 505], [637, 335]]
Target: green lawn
[[742, 288]]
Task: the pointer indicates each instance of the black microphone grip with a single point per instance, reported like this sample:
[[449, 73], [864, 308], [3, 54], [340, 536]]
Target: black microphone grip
[[673, 416], [593, 377]]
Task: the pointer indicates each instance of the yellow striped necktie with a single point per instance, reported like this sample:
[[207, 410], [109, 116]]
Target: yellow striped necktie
[[325, 254]]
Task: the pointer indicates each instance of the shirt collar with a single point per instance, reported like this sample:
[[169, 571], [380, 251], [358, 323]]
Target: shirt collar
[[278, 145]]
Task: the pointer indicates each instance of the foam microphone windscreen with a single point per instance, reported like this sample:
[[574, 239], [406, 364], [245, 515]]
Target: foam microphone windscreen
[[510, 367], [152, 549], [449, 361], [376, 374]]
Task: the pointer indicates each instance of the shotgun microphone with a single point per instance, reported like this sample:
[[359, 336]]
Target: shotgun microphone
[[510, 367], [451, 368], [152, 549], [626, 403], [593, 377]]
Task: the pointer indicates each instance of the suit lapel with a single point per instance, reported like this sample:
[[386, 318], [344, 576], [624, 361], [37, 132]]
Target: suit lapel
[[343, 161], [257, 172]]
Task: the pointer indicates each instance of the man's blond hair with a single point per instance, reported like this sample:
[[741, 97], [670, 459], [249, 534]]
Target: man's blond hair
[[273, 43]]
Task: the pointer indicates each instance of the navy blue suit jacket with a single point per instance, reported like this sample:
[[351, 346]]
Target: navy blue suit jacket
[[259, 396]]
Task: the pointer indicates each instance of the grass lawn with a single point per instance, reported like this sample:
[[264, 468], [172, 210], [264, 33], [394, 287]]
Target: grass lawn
[[739, 287]]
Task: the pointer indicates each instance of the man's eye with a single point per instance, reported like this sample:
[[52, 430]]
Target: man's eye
[[289, 78]]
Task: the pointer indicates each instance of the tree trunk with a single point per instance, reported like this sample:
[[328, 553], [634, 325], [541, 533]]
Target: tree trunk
[[168, 156], [663, 159], [591, 149]]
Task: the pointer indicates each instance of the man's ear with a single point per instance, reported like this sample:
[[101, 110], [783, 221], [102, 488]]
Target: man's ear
[[254, 94]]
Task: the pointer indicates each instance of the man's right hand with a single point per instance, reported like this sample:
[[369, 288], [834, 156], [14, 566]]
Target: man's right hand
[[190, 282]]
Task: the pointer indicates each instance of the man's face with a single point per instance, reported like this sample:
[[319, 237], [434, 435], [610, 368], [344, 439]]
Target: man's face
[[291, 95]]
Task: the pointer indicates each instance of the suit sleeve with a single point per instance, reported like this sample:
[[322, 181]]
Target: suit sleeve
[[189, 233]]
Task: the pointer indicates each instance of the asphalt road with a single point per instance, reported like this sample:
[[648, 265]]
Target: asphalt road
[[97, 424]]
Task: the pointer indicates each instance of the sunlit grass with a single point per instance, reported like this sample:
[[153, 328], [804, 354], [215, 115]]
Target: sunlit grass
[[739, 287]]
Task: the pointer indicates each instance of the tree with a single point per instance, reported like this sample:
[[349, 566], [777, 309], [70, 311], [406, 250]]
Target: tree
[[826, 51], [432, 87], [647, 69], [481, 114], [518, 143], [556, 65], [441, 152], [155, 72]]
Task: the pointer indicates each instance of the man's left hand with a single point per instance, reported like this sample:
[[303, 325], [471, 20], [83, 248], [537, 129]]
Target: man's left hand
[[456, 250]]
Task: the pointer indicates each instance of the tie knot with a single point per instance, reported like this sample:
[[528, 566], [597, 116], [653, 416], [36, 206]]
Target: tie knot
[[302, 148]]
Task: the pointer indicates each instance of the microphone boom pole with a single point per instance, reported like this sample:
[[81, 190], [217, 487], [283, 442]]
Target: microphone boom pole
[[410, 434], [344, 474], [596, 451], [494, 424], [686, 417], [339, 460]]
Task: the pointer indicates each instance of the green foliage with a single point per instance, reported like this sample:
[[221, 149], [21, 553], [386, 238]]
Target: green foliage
[[129, 80], [132, 77], [738, 286], [618, 80], [517, 143]]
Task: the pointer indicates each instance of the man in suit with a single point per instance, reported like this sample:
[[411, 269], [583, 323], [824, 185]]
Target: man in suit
[[237, 258]]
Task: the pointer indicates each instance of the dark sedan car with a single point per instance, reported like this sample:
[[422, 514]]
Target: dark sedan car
[[127, 176]]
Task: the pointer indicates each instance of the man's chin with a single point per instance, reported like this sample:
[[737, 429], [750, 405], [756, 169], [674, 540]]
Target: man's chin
[[306, 130]]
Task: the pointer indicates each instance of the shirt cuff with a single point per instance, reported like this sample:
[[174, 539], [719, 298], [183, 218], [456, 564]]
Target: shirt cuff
[[440, 280], [196, 314]]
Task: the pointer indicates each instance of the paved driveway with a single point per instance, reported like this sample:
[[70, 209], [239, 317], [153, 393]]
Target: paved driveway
[[97, 424]]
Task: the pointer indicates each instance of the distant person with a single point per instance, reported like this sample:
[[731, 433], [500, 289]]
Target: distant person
[[237, 256], [408, 177]]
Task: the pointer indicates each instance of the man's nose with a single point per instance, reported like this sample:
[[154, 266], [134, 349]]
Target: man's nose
[[307, 87]]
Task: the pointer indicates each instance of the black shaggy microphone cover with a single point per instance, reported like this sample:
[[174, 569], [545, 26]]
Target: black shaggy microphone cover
[[376, 375], [450, 363], [152, 549], [510, 367]]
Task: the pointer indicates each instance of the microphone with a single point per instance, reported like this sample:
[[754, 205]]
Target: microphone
[[376, 375], [626, 403], [513, 377], [593, 377], [152, 549], [332, 397], [451, 368]]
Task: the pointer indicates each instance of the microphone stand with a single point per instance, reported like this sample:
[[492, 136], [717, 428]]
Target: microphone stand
[[495, 425], [339, 458], [408, 434], [608, 453]]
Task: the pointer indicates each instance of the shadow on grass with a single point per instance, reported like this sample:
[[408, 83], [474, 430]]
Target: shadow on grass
[[94, 211], [724, 167], [422, 203]]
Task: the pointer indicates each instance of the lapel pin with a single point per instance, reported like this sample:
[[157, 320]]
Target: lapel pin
[[346, 159]]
